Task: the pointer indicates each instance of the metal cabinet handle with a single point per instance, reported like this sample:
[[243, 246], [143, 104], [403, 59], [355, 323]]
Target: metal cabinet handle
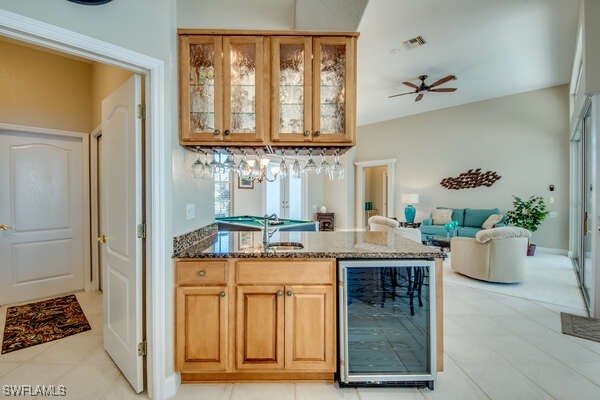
[[227, 132], [102, 239], [201, 273], [317, 133], [4, 227], [217, 132], [307, 132], [222, 294], [280, 293], [289, 293]]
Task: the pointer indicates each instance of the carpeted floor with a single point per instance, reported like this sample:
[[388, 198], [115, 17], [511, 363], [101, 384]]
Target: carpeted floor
[[43, 321]]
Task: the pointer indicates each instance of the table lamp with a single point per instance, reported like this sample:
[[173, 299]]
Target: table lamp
[[409, 212]]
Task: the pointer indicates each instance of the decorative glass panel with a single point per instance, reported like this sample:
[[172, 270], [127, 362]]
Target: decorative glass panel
[[291, 88], [333, 88], [243, 88], [202, 87]]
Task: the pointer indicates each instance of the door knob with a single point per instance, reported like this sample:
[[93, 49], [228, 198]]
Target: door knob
[[317, 133], [279, 293], [307, 133], [289, 293], [222, 294], [201, 273], [216, 132], [102, 239], [227, 132], [4, 227]]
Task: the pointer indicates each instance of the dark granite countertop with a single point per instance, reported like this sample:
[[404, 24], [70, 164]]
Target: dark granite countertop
[[349, 245]]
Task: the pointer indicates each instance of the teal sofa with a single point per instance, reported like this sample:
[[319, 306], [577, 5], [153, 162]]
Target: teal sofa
[[469, 222]]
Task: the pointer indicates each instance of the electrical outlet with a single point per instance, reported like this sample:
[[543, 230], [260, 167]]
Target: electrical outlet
[[190, 211]]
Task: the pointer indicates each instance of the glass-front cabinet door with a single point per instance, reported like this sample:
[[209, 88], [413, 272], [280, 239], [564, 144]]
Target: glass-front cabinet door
[[291, 80], [334, 80], [201, 90], [245, 77]]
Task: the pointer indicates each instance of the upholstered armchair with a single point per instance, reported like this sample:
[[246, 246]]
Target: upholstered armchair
[[494, 255]]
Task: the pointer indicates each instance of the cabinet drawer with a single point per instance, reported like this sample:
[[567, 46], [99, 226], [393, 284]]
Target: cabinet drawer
[[201, 272], [285, 271]]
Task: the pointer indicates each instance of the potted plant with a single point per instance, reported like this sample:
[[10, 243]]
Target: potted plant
[[528, 214]]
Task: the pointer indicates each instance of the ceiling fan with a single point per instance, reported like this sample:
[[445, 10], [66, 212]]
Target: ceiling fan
[[421, 88]]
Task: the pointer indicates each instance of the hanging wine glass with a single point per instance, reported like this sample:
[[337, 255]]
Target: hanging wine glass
[[206, 168], [283, 167], [324, 167], [243, 167], [197, 167], [214, 165], [296, 168], [311, 165], [229, 163], [337, 171]]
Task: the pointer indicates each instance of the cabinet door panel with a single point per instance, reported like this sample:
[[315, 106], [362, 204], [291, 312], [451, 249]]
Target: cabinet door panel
[[291, 88], [202, 329], [309, 326], [201, 89], [334, 90], [260, 327], [245, 76]]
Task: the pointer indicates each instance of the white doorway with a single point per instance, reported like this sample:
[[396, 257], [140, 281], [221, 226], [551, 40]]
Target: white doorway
[[286, 197], [44, 213], [375, 190]]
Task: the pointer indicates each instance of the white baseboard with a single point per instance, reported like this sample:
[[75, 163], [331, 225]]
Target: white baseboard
[[172, 385], [551, 250]]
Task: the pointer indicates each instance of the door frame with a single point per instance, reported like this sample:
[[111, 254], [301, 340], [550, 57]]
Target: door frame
[[360, 187], [94, 208], [161, 383], [85, 141]]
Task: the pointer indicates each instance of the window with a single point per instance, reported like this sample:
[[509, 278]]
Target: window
[[223, 192]]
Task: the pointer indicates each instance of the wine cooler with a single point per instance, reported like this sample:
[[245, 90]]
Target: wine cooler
[[387, 323]]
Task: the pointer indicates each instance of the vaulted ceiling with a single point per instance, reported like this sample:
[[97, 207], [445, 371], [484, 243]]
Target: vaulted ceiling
[[495, 48]]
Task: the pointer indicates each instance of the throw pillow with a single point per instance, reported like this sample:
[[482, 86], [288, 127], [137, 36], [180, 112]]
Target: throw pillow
[[505, 232], [441, 216], [491, 221]]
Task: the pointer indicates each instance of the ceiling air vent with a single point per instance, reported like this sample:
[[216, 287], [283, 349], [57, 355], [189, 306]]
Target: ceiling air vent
[[414, 42]]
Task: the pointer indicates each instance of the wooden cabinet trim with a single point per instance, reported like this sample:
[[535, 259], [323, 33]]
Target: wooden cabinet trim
[[285, 271], [262, 32]]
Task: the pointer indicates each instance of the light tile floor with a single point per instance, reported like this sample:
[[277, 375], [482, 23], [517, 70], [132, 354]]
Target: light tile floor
[[498, 346]]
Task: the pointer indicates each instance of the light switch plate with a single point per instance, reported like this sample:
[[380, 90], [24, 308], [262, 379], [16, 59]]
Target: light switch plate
[[190, 211], [553, 214]]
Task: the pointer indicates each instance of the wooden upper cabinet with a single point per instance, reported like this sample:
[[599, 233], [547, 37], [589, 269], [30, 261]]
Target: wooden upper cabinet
[[258, 88], [334, 89], [202, 329], [201, 89], [291, 89], [245, 80], [310, 328], [260, 327]]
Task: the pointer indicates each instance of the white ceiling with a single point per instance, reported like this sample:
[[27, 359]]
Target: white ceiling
[[494, 47]]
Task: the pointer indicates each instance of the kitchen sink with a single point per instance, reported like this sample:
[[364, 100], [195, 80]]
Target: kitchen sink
[[285, 246]]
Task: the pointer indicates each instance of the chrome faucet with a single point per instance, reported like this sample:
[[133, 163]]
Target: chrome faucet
[[266, 234]]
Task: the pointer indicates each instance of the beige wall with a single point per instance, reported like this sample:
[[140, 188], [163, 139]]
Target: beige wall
[[523, 137], [32, 82], [105, 80]]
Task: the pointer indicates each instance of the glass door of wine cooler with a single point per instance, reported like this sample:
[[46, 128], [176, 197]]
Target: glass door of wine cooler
[[387, 322]]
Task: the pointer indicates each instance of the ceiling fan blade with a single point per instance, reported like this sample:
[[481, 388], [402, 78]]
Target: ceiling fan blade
[[400, 94], [443, 80], [419, 97], [412, 85], [443, 90]]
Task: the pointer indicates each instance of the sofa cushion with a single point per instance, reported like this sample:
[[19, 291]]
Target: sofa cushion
[[433, 230], [485, 235], [458, 214], [476, 217], [467, 231], [441, 216], [492, 220]]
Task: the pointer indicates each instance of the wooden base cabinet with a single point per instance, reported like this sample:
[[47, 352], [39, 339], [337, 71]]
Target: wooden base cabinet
[[202, 328], [271, 320]]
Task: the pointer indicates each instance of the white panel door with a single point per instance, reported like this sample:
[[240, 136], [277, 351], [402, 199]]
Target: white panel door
[[43, 214], [120, 213], [285, 197]]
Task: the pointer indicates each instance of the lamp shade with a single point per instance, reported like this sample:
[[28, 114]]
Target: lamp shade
[[409, 198]]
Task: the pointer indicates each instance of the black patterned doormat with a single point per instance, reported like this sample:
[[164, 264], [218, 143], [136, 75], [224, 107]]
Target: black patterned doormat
[[582, 327], [44, 321]]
